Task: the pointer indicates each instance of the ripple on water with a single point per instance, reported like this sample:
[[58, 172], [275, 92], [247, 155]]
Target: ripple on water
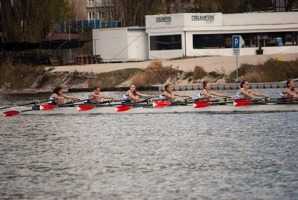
[[154, 156]]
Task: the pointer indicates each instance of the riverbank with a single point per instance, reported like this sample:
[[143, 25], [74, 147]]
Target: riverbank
[[221, 64], [183, 73]]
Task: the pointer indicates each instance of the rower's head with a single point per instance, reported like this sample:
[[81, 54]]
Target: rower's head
[[244, 84], [58, 90], [206, 85], [168, 87], [133, 89], [96, 90], [290, 83]]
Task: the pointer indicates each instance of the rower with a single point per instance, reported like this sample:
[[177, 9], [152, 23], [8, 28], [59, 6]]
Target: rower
[[245, 93], [289, 91], [206, 94], [58, 96], [132, 95], [95, 96], [169, 95]]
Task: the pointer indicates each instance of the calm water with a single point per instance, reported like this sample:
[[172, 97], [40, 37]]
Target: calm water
[[148, 156]]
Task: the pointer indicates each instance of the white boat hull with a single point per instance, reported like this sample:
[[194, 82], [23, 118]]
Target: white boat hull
[[228, 108]]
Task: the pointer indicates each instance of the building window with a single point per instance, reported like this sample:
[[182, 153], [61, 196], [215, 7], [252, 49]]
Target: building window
[[99, 3], [110, 3], [90, 15], [90, 3], [201, 41], [165, 42], [211, 41]]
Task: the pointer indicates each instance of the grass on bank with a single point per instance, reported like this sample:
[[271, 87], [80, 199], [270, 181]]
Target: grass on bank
[[113, 78], [271, 71], [19, 77]]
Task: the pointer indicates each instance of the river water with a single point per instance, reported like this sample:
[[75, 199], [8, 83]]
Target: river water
[[148, 156]]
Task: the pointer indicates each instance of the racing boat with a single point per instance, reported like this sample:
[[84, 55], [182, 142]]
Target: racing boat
[[236, 106]]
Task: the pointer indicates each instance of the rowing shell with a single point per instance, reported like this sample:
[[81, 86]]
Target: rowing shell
[[218, 108]]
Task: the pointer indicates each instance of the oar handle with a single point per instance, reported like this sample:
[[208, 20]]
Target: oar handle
[[24, 104]]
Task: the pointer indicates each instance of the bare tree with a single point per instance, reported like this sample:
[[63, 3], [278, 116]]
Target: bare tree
[[29, 20], [132, 12]]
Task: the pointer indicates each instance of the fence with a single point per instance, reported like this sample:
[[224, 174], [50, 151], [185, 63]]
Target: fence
[[80, 25]]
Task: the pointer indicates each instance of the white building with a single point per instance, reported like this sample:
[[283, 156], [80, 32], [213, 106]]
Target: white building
[[120, 44], [210, 34], [198, 34]]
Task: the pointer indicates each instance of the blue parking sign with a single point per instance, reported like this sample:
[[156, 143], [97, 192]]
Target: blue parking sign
[[237, 41]]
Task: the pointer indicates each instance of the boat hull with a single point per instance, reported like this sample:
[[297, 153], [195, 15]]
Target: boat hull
[[227, 108]]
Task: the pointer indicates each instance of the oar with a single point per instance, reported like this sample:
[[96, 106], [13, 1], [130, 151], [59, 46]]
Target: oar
[[200, 103], [127, 106], [245, 102], [203, 104], [11, 113], [162, 104], [43, 107], [86, 107], [26, 104]]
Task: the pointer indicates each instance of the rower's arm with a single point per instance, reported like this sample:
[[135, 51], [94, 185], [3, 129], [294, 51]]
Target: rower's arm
[[169, 96], [248, 94], [69, 97], [145, 95], [219, 95], [106, 97], [259, 94], [132, 97], [182, 95]]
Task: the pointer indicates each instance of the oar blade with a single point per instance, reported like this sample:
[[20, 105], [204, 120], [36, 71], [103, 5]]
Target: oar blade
[[11, 113], [84, 107], [242, 102], [47, 107], [123, 108], [201, 104], [160, 104]]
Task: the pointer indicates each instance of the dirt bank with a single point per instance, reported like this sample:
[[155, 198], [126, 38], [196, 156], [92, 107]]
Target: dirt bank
[[221, 64]]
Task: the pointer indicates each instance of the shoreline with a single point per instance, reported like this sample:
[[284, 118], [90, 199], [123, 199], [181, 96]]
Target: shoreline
[[221, 64], [215, 86], [215, 63]]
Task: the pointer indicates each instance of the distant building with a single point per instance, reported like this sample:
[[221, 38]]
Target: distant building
[[90, 14], [200, 34], [95, 9], [210, 34], [121, 44]]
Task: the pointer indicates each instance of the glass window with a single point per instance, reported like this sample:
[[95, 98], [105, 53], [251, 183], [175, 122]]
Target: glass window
[[165, 42], [201, 41]]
